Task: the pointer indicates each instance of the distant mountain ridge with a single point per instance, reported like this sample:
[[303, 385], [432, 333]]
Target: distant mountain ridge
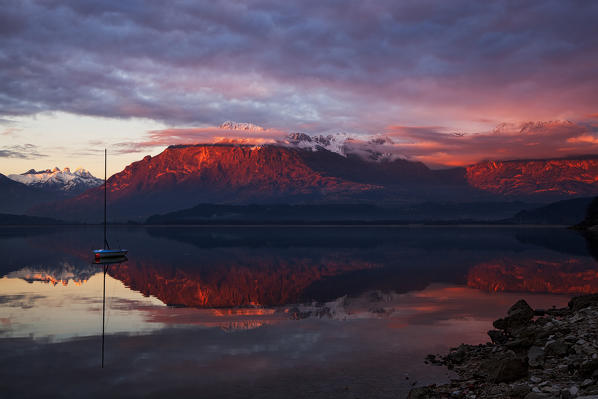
[[17, 197], [183, 176], [339, 214], [553, 178], [58, 180], [564, 212], [10, 219]]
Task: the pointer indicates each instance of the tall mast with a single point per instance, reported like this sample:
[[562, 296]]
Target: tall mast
[[105, 168], [104, 312]]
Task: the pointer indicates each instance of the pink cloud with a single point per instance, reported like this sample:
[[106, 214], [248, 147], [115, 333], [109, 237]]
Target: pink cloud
[[440, 147], [212, 134], [584, 138], [436, 146]]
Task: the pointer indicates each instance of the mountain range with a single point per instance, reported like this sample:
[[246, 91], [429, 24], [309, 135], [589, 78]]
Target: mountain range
[[185, 175], [19, 193], [17, 198], [301, 171], [58, 180]]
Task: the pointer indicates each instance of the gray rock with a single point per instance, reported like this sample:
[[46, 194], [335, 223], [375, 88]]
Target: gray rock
[[497, 336], [518, 391], [420, 393], [506, 369], [518, 316], [535, 356], [459, 355], [521, 309], [583, 301], [520, 343], [587, 382], [538, 395], [557, 348], [587, 368]]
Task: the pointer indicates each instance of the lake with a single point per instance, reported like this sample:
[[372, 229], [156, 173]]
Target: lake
[[299, 312]]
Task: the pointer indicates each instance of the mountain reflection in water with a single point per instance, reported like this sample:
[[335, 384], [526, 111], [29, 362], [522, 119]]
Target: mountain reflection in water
[[254, 310], [228, 267], [281, 267]]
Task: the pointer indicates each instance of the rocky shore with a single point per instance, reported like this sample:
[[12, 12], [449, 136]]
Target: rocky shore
[[533, 354]]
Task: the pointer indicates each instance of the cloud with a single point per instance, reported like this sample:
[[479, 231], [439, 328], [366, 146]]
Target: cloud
[[530, 140], [584, 138], [436, 146], [25, 151], [213, 134], [304, 66]]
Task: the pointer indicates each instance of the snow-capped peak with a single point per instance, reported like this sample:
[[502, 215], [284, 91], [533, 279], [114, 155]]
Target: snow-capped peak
[[230, 125], [59, 180], [376, 148], [330, 142]]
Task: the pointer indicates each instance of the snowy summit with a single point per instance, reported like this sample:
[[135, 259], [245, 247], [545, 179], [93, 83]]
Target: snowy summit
[[58, 180], [245, 126]]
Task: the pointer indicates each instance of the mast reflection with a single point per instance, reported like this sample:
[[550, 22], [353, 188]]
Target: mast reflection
[[106, 263]]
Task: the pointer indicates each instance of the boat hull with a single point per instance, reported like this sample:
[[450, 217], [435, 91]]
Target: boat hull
[[109, 253]]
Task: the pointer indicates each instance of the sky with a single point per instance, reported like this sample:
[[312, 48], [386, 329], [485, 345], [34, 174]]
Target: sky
[[448, 83]]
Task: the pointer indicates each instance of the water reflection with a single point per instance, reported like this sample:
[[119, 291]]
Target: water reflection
[[266, 267], [561, 276], [106, 263], [238, 311]]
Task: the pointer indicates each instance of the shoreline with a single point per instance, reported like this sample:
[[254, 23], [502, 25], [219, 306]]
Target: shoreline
[[533, 354]]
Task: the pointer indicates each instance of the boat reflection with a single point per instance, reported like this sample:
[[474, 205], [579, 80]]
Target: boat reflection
[[106, 263], [110, 261]]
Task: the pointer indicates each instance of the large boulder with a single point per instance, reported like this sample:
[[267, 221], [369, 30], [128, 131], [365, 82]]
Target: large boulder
[[583, 301], [507, 369], [535, 356], [519, 315]]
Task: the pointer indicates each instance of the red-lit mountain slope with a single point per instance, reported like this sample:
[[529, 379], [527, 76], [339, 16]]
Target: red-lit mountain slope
[[551, 177], [183, 176]]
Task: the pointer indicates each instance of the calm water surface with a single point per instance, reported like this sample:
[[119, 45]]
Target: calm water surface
[[265, 311]]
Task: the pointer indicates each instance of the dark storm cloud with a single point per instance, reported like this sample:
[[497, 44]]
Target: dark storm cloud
[[307, 65]]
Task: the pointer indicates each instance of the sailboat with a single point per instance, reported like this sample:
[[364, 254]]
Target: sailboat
[[107, 252]]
